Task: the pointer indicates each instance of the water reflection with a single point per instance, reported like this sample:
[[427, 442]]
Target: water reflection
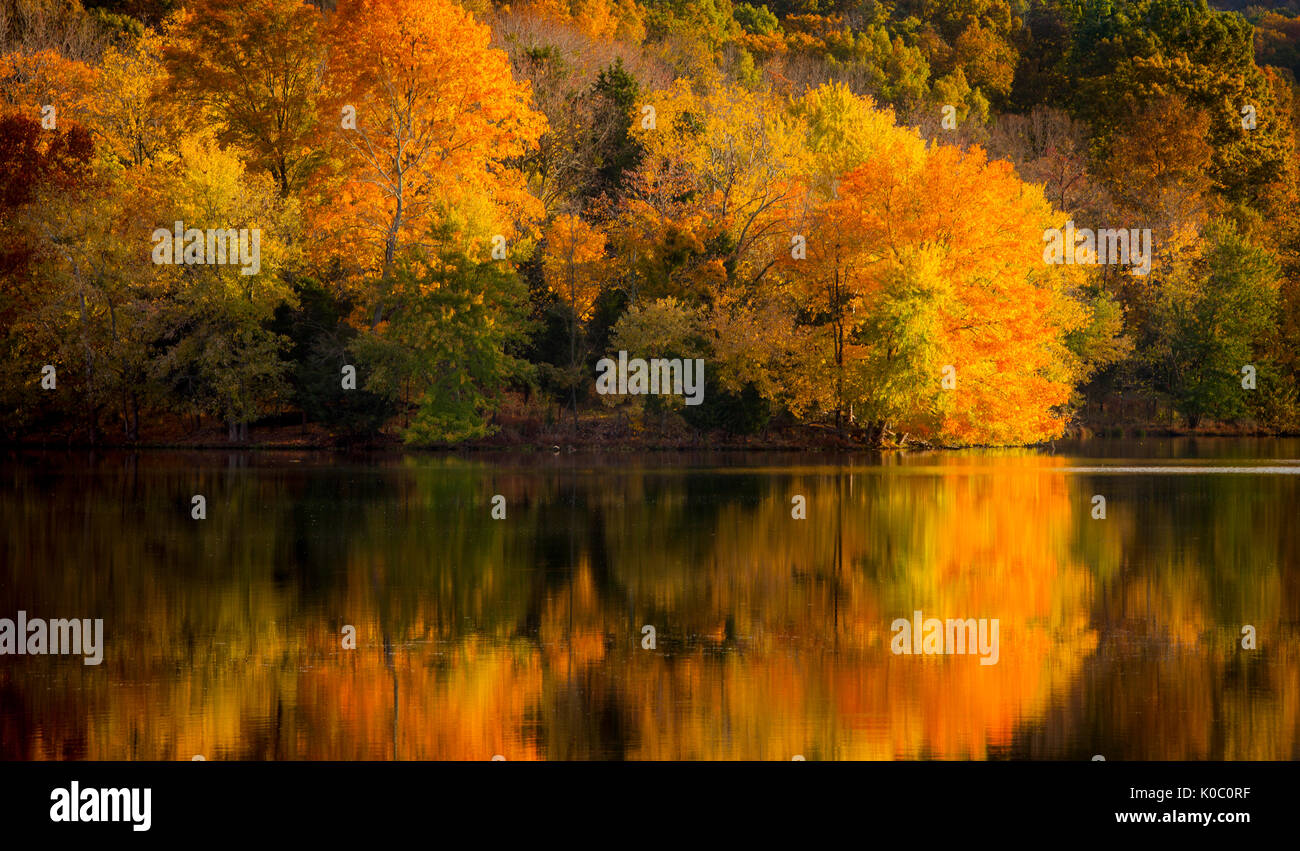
[[523, 636]]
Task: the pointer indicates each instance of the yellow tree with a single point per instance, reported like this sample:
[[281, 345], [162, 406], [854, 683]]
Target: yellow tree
[[218, 354], [716, 171], [841, 132], [255, 67], [705, 217], [125, 112], [427, 113]]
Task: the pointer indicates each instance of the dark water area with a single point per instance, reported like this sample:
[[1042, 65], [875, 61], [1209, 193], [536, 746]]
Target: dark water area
[[774, 636]]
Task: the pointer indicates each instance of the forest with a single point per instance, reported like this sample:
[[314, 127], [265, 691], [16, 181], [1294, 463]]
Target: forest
[[442, 215]]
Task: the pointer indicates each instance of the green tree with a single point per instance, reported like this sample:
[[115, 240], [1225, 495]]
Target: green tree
[[1212, 316], [1129, 52], [448, 351]]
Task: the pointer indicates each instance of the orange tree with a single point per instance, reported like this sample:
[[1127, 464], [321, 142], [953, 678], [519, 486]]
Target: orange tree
[[953, 327]]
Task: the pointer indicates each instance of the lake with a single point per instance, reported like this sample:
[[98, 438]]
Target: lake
[[772, 636]]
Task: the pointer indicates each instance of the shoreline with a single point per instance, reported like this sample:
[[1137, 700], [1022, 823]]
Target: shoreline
[[811, 443]]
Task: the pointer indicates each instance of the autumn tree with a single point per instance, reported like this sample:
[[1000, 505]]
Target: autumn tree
[[33, 82], [955, 326], [127, 112], [219, 356], [255, 68], [438, 118], [1159, 167], [704, 220], [1211, 317], [707, 197], [1124, 56], [36, 166], [842, 131], [99, 299]]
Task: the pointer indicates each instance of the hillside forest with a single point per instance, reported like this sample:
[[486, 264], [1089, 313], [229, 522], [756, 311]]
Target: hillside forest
[[875, 223]]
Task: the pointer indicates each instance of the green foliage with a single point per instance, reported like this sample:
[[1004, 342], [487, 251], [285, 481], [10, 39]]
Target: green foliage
[[1210, 320], [711, 21], [970, 102], [758, 20], [218, 345], [445, 347], [226, 366], [319, 340], [615, 151], [119, 26], [664, 328], [895, 381], [667, 328], [1130, 52], [746, 412], [1102, 342], [893, 70]]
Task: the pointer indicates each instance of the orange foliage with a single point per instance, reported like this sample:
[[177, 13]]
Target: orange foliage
[[438, 115]]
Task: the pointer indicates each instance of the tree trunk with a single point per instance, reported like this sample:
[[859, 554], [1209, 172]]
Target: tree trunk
[[390, 254], [573, 353]]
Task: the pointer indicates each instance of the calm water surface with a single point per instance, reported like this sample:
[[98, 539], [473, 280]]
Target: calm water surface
[[523, 637]]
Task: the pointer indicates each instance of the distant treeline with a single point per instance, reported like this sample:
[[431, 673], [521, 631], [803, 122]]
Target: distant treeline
[[444, 214]]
